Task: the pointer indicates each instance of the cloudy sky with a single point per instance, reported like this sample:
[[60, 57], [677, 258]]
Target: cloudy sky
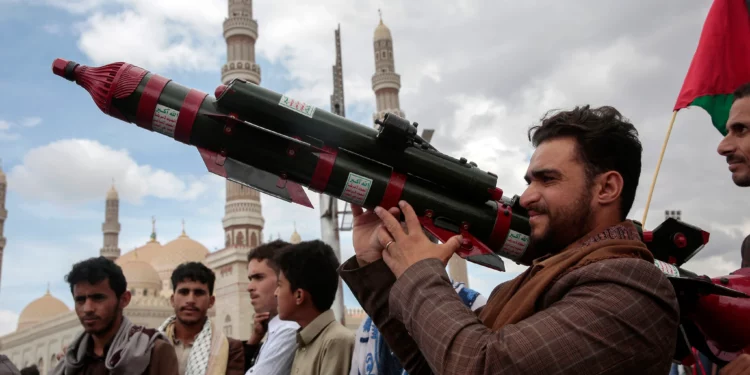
[[480, 72]]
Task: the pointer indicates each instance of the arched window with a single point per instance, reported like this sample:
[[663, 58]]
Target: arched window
[[240, 239], [228, 325], [228, 241], [253, 239]]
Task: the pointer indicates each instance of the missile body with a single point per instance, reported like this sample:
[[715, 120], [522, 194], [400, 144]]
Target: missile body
[[275, 144]]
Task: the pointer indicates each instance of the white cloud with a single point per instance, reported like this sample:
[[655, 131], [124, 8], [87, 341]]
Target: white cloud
[[8, 321], [184, 35], [78, 170], [7, 132], [31, 122]]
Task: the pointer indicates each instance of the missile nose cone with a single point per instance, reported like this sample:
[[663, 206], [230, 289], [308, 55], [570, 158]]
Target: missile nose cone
[[59, 67]]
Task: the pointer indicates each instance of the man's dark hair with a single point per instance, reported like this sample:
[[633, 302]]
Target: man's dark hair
[[606, 142], [311, 266], [31, 370], [267, 252], [94, 270], [741, 92], [194, 271]]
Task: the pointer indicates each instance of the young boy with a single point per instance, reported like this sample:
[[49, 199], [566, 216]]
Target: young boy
[[308, 282]]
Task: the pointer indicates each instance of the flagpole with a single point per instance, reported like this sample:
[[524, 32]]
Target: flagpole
[[658, 166]]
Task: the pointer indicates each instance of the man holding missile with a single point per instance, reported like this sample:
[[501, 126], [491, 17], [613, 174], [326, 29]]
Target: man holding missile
[[592, 301], [735, 147]]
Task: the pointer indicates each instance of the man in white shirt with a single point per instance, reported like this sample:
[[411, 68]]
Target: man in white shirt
[[276, 354]]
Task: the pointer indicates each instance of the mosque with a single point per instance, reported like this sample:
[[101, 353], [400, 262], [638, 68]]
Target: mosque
[[47, 324]]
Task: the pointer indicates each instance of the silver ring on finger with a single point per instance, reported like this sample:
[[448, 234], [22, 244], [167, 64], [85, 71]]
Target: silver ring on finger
[[389, 244]]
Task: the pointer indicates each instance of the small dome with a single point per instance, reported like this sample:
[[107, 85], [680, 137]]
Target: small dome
[[295, 238], [180, 250], [40, 310], [112, 194], [144, 253], [141, 275], [382, 32]]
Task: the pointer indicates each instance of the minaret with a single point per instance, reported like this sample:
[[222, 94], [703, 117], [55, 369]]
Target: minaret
[[3, 214], [385, 82], [111, 225], [240, 32], [337, 99], [329, 222], [243, 220]]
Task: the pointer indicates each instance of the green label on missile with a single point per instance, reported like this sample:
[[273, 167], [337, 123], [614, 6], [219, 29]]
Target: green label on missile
[[297, 106], [515, 244], [356, 189]]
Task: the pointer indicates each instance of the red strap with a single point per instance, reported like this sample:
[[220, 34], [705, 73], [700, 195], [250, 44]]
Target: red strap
[[149, 100], [323, 169], [188, 113], [393, 190], [501, 228]]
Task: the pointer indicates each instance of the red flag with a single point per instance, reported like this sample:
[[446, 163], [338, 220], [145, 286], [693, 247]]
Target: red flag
[[721, 62]]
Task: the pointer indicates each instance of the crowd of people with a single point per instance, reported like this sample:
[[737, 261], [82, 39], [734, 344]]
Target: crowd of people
[[591, 302]]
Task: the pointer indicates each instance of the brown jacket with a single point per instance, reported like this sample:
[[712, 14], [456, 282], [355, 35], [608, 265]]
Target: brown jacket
[[615, 316], [236, 361], [163, 361]]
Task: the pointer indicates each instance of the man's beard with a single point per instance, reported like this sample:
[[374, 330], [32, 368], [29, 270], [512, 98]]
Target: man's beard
[[741, 180], [564, 226], [108, 326], [191, 322]]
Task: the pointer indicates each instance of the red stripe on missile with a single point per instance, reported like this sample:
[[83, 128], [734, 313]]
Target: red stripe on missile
[[188, 113], [501, 228], [393, 190], [149, 99], [323, 169]]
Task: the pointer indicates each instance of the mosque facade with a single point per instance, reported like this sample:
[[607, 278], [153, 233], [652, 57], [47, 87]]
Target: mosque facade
[[46, 324]]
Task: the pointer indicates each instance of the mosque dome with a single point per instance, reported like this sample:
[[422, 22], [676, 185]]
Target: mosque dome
[[180, 250], [295, 238], [40, 310], [140, 275], [382, 32], [144, 253]]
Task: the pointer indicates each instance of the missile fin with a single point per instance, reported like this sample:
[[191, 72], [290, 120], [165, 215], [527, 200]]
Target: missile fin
[[214, 162], [266, 182]]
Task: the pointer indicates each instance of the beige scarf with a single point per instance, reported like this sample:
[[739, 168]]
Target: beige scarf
[[210, 351], [517, 300]]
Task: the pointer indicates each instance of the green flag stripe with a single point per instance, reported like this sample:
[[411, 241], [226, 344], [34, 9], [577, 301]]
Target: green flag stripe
[[717, 107]]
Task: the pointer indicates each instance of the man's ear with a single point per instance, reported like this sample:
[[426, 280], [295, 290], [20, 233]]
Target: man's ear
[[608, 188], [299, 297], [125, 299], [211, 301]]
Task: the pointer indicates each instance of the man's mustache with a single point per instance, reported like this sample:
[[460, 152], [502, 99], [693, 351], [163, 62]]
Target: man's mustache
[[734, 158]]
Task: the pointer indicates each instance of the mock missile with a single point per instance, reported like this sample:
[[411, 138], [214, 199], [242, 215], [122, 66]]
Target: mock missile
[[277, 145]]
